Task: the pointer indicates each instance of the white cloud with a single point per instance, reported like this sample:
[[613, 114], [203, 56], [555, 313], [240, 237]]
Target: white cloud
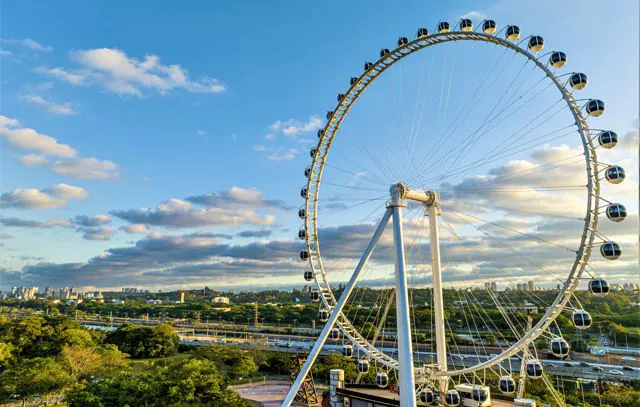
[[68, 164], [182, 214], [86, 168], [90, 221], [64, 109], [293, 127], [277, 153], [201, 133], [27, 43], [120, 73], [30, 139], [475, 15], [5, 53], [48, 198], [33, 160], [74, 78], [136, 228], [102, 233], [23, 223], [631, 139]]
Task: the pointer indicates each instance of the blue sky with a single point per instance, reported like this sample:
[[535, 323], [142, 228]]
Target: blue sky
[[150, 102]]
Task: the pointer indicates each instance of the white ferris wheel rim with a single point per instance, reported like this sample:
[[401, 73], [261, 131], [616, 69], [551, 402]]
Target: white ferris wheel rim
[[324, 145]]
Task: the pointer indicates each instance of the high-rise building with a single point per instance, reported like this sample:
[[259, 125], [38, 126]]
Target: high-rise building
[[531, 285]]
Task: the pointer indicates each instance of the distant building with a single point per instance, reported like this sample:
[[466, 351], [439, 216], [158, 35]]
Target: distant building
[[531, 285], [181, 301], [23, 293], [527, 308], [494, 286], [221, 300], [155, 302]]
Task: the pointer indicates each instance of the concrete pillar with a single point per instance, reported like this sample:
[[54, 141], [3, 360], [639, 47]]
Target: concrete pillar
[[336, 381]]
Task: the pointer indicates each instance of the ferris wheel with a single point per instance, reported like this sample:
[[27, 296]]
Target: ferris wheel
[[475, 146]]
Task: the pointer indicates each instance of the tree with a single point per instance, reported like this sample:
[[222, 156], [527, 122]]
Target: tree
[[82, 361], [112, 361], [34, 376], [75, 337], [6, 350], [243, 366], [145, 342]]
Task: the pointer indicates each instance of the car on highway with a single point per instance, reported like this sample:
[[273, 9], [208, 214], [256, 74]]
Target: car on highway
[[629, 368], [585, 364], [598, 369], [567, 364], [616, 372]]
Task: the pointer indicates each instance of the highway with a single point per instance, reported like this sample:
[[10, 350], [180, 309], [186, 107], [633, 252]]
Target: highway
[[465, 356]]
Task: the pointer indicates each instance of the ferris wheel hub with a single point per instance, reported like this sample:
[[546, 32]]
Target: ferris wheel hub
[[400, 191]]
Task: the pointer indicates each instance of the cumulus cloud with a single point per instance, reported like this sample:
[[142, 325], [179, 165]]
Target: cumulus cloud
[[27, 43], [68, 162], [177, 213], [136, 228], [91, 221], [86, 168], [47, 198], [261, 234], [120, 73], [90, 227], [29, 139], [24, 223], [236, 197], [101, 233], [291, 128], [64, 109]]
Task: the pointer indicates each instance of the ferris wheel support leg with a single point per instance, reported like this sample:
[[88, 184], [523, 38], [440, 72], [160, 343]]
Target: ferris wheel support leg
[[405, 347], [337, 310], [441, 344]]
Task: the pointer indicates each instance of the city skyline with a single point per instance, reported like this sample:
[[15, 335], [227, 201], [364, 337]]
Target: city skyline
[[161, 158]]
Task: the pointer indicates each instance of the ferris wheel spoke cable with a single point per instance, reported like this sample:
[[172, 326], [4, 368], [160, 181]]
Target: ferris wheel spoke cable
[[459, 147], [472, 141], [478, 133], [488, 123], [421, 98], [466, 109], [485, 324], [512, 142], [507, 245], [489, 160], [359, 175], [386, 170], [505, 152], [379, 177]]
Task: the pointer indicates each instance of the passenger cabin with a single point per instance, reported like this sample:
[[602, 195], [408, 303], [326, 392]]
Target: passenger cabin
[[474, 395]]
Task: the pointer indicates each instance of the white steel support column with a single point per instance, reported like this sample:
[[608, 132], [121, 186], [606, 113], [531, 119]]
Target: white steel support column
[[434, 242], [337, 310], [403, 325]]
